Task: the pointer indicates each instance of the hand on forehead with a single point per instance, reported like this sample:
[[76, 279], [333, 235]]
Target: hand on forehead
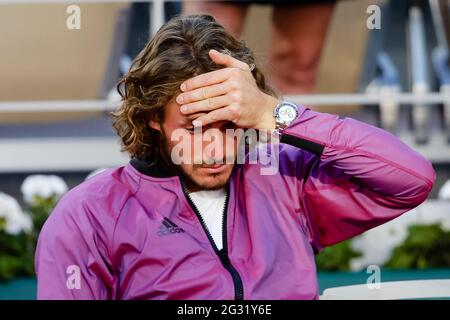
[[230, 94], [210, 91], [217, 76]]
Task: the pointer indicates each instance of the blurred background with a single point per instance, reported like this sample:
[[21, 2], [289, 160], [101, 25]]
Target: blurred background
[[383, 62]]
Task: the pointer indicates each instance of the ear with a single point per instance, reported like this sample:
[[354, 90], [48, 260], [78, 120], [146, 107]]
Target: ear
[[155, 125]]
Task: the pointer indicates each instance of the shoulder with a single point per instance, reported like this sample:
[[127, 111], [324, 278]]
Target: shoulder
[[95, 204]]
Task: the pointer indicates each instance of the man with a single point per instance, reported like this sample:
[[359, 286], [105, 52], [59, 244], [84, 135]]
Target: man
[[205, 228]]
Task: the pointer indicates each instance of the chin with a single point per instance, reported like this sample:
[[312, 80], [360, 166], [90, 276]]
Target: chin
[[211, 184], [208, 181]]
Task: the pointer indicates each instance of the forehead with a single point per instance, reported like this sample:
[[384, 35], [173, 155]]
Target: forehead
[[173, 115]]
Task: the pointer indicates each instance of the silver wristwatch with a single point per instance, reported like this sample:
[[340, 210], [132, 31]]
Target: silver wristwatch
[[284, 113]]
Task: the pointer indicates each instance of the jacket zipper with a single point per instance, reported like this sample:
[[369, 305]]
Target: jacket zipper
[[223, 253]]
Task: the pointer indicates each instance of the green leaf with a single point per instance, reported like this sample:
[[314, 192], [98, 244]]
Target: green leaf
[[337, 257], [425, 247]]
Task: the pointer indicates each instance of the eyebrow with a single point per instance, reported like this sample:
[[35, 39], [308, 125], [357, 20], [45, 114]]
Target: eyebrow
[[185, 122]]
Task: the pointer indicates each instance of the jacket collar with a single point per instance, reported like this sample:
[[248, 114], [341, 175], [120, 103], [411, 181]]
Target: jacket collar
[[159, 169]]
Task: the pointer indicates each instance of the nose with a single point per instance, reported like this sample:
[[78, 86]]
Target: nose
[[214, 144]]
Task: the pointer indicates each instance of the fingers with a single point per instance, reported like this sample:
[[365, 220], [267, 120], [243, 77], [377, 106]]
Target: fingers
[[205, 79], [192, 117], [206, 105], [221, 114], [208, 97], [233, 68], [204, 93], [227, 60]]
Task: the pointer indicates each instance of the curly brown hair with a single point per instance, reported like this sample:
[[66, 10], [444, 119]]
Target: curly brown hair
[[177, 52]]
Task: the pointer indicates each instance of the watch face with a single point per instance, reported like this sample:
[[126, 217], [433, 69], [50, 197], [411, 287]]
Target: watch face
[[287, 113]]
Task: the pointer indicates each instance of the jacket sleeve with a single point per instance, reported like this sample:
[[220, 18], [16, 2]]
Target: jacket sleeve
[[363, 176], [71, 259]]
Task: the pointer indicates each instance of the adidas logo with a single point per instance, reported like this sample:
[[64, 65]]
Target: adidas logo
[[168, 227]]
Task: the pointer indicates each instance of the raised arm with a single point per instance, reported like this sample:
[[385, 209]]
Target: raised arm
[[365, 176]]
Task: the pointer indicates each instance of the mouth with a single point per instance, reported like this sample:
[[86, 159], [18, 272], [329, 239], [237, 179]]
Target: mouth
[[213, 168]]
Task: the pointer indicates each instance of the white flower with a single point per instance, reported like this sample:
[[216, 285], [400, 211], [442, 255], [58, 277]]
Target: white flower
[[444, 192], [376, 245], [14, 218], [43, 186]]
